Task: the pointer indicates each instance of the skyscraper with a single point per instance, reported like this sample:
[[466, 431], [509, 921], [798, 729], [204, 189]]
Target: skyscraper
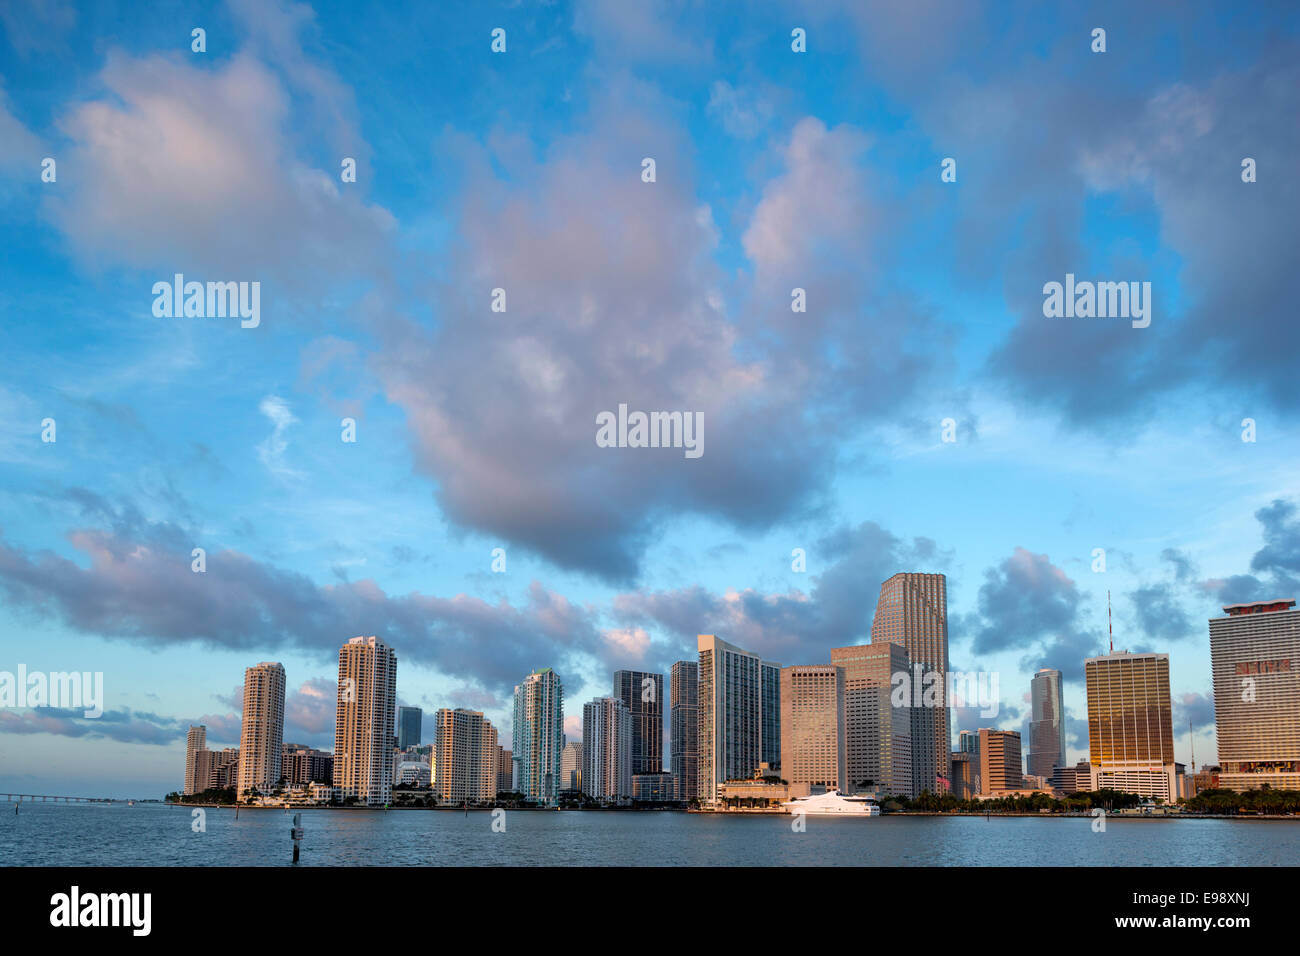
[[878, 735], [465, 756], [913, 612], [363, 723], [1255, 662], [261, 736], [812, 725], [1047, 723], [730, 714], [410, 726], [642, 692], [505, 770], [538, 735], [684, 679], [770, 704], [571, 766], [999, 761], [607, 734], [196, 742], [1130, 724]]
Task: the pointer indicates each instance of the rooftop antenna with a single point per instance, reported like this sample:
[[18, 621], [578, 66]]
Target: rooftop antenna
[[1109, 627], [1191, 739]]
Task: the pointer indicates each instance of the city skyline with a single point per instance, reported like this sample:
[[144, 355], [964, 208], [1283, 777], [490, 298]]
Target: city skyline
[[834, 258]]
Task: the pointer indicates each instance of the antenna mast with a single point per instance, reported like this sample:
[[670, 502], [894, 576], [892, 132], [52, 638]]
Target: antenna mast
[[1109, 627], [1191, 740]]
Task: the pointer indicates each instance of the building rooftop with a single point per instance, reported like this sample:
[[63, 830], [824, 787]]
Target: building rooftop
[[1257, 607]]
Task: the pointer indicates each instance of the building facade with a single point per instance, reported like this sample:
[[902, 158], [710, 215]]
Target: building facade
[[261, 735], [878, 734], [363, 723], [770, 715], [410, 727], [571, 766], [642, 693], [538, 736], [505, 771], [912, 611], [465, 757], [607, 732], [1047, 723], [730, 736], [301, 765], [1000, 761], [196, 742], [1255, 662], [812, 725], [684, 717], [654, 788], [1130, 724]]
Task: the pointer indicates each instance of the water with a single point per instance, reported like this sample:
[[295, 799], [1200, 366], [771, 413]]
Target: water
[[159, 835]]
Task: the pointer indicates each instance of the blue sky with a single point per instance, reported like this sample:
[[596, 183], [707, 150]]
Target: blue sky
[[522, 170]]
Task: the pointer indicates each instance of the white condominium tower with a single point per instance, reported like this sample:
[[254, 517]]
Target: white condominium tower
[[261, 738], [607, 746], [1255, 660], [730, 738], [363, 724], [196, 742], [913, 611], [465, 756], [538, 736]]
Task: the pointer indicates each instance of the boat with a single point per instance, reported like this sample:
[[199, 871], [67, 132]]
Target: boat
[[832, 802]]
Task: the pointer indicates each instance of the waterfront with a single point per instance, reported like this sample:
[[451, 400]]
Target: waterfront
[[159, 835]]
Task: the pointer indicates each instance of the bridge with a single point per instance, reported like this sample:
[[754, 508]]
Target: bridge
[[47, 798]]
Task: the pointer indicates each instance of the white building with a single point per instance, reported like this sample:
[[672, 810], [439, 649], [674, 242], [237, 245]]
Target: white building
[[261, 738], [607, 749]]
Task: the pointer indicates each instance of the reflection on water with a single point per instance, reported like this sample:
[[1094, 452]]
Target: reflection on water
[[108, 835]]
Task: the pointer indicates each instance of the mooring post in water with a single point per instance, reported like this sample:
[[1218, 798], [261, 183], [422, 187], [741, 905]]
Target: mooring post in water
[[296, 832]]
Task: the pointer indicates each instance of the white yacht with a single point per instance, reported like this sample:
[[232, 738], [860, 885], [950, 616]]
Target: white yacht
[[833, 802]]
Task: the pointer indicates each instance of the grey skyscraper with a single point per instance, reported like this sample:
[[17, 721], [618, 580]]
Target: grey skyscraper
[[642, 692], [1047, 723], [771, 716], [913, 611], [410, 724], [878, 734], [607, 749], [684, 680]]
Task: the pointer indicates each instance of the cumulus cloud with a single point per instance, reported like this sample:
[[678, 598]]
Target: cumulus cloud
[[137, 584], [176, 168]]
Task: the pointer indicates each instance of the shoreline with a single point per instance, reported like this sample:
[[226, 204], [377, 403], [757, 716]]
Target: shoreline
[[774, 812]]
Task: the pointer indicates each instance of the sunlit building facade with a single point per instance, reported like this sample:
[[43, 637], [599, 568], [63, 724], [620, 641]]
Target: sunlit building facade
[[912, 611], [1255, 663], [878, 734], [1047, 723]]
